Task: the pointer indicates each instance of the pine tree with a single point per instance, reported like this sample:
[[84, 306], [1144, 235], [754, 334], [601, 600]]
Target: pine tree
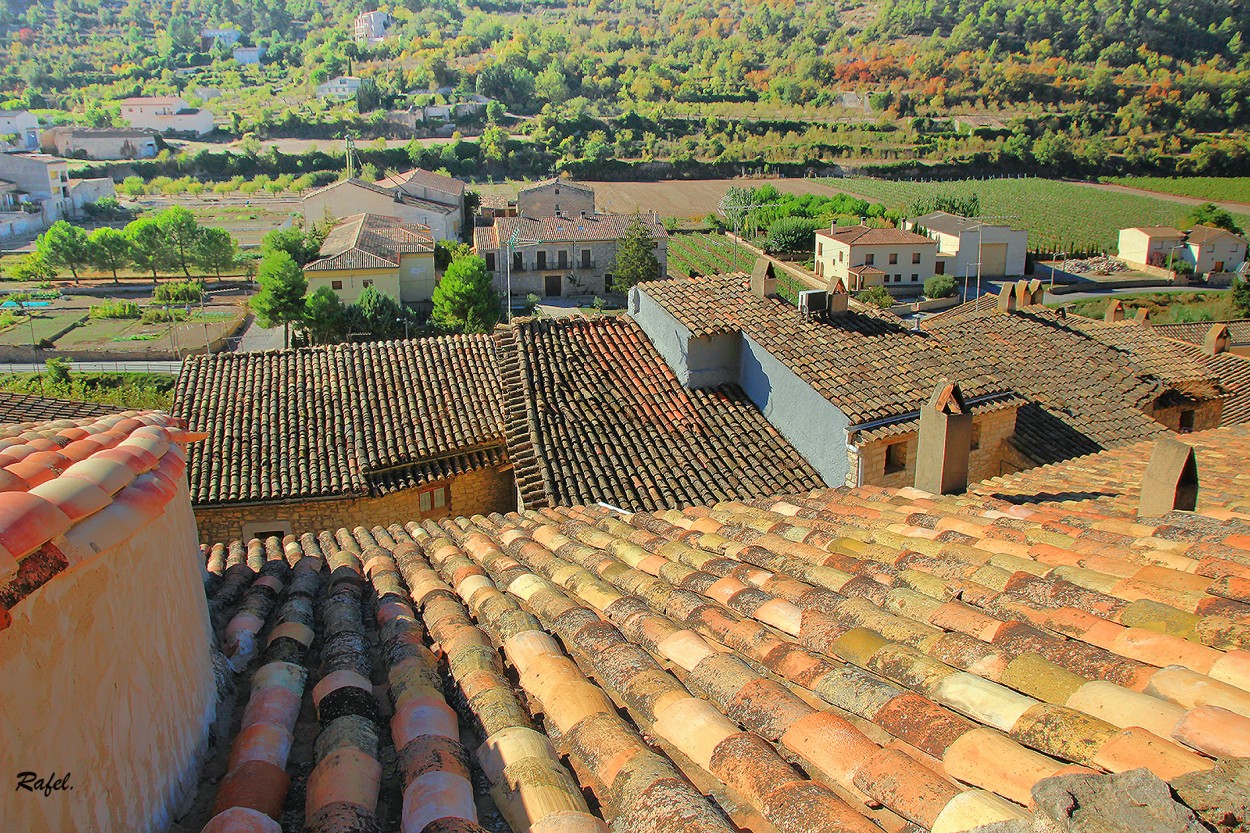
[[464, 300], [281, 296], [635, 258]]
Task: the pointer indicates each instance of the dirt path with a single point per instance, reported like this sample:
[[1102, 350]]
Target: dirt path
[[1228, 205]]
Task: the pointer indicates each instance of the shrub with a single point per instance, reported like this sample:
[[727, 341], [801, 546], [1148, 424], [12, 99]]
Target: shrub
[[58, 372], [1187, 315], [114, 309], [876, 296], [179, 292], [792, 234], [939, 286], [163, 315]]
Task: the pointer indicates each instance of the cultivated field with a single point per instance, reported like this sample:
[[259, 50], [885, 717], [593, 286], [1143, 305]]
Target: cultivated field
[[706, 254], [1055, 213], [1213, 188]]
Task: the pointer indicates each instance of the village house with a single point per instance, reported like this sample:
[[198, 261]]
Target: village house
[[223, 35], [416, 196], [342, 88], [370, 27], [1214, 250], [963, 242], [167, 114], [1151, 245], [862, 256], [561, 257], [845, 386], [43, 179], [100, 142], [555, 197], [368, 250], [248, 54], [19, 129]]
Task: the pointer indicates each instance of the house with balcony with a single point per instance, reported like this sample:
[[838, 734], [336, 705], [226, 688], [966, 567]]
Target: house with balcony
[[862, 256], [560, 257], [371, 27]]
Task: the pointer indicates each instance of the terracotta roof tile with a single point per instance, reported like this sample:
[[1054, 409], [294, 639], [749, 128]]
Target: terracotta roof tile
[[574, 229], [924, 660], [1195, 332], [870, 236], [594, 414], [327, 421], [18, 408], [371, 241]]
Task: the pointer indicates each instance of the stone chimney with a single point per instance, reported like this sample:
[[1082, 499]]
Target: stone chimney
[[763, 278], [1142, 316], [839, 298], [1115, 311], [945, 442], [1171, 480], [1217, 340], [1037, 292], [1007, 298]]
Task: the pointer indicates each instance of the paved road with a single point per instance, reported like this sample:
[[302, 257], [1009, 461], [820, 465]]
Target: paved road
[[256, 338], [98, 367]]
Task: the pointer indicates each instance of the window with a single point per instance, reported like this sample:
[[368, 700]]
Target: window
[[1187, 420], [840, 256], [557, 209], [940, 269], [562, 259], [490, 261], [607, 279], [336, 285], [266, 529], [869, 259], [915, 257], [895, 457], [915, 276], [585, 258], [518, 262], [366, 283], [893, 258], [820, 248], [431, 499], [542, 260], [976, 437]]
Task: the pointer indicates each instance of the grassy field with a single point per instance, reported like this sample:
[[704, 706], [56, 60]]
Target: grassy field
[[125, 390], [1165, 307], [47, 325], [707, 254], [1217, 188], [1055, 213]]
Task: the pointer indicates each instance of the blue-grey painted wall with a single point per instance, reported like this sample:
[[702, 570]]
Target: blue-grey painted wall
[[812, 424]]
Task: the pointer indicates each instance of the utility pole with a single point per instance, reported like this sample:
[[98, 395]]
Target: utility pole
[[34, 346], [514, 239], [351, 156]]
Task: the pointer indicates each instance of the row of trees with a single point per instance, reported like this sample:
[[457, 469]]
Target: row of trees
[[172, 240]]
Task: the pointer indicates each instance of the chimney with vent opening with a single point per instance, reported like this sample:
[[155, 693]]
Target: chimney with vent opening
[[1217, 340], [945, 442], [1171, 480], [764, 279]]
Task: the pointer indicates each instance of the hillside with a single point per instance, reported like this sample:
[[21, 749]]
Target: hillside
[[1100, 86]]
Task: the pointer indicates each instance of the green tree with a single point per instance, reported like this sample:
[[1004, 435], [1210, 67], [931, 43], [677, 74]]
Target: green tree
[[216, 250], [65, 245], [148, 249], [1241, 296], [281, 296], [793, 234], [939, 286], [110, 250], [182, 233], [635, 257], [876, 296], [1210, 214], [32, 268], [324, 317], [464, 300], [303, 246]]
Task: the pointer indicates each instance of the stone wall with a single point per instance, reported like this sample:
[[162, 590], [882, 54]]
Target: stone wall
[[994, 455], [481, 491], [1207, 415], [106, 680]]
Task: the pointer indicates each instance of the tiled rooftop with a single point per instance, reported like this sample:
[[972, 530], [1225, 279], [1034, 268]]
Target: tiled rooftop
[[868, 363], [71, 488], [866, 660], [18, 408], [1195, 332], [862, 235], [325, 421], [595, 414], [370, 241], [591, 228]]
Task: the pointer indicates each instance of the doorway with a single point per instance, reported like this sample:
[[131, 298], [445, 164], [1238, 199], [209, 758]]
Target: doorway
[[551, 285]]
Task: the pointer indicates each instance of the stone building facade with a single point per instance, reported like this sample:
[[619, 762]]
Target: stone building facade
[[476, 492], [891, 461]]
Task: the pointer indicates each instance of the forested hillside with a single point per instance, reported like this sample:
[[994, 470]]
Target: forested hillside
[[1104, 86]]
